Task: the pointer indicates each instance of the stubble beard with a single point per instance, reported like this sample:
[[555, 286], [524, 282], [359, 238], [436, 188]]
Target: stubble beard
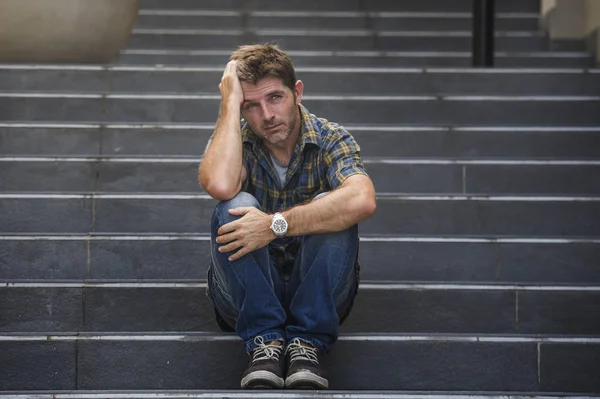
[[279, 137]]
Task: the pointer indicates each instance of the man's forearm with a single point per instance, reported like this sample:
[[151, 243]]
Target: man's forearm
[[336, 211], [220, 171]]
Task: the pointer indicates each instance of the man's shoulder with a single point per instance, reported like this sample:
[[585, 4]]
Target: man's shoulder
[[326, 130]]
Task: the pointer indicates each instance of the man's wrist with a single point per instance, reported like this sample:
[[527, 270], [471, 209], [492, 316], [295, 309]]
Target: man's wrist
[[286, 215], [269, 219], [279, 225], [229, 105], [233, 102]]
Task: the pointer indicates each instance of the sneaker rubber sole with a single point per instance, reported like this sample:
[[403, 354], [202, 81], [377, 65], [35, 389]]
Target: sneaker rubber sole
[[306, 380], [262, 379]]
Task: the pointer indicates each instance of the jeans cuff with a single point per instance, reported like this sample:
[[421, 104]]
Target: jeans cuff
[[269, 336]]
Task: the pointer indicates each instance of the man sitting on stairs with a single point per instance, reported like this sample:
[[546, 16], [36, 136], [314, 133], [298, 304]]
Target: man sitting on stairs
[[284, 236]]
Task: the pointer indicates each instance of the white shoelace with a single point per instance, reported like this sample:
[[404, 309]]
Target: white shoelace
[[300, 352], [265, 351]]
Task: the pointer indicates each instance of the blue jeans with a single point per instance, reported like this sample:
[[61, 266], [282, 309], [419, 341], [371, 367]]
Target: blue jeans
[[256, 297]]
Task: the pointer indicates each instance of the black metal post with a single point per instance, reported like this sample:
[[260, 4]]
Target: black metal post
[[483, 33]]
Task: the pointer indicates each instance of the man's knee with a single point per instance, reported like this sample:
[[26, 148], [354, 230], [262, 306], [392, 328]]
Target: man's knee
[[338, 253], [242, 199], [344, 238]]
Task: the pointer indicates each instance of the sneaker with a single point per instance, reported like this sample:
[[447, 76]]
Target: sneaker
[[266, 368], [304, 370]]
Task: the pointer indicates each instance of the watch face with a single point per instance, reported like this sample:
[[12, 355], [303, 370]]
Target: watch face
[[279, 226]]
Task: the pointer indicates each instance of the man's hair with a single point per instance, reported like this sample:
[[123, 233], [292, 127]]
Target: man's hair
[[258, 61]]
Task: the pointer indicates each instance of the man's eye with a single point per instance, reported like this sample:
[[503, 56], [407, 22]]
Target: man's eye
[[250, 106], [276, 96]]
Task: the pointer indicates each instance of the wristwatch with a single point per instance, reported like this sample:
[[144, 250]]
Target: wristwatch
[[279, 225]]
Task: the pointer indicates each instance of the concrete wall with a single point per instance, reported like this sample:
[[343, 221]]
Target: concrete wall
[[65, 30], [592, 21], [545, 7], [592, 15], [574, 20]]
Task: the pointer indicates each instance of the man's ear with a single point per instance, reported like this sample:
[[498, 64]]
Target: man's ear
[[298, 89]]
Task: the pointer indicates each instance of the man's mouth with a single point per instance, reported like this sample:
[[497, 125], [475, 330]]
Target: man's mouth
[[272, 127]]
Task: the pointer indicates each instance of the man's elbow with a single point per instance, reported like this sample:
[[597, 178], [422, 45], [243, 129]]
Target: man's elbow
[[364, 204], [220, 191], [369, 205]]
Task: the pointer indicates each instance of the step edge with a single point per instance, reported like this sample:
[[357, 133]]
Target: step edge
[[364, 286], [350, 337], [307, 69], [366, 53], [119, 236], [96, 95], [374, 128], [179, 159], [332, 394], [382, 196]]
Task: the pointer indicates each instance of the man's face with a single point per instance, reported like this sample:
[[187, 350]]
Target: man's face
[[271, 108]]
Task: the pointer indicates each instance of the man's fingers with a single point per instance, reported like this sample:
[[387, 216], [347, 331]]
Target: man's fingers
[[231, 68], [227, 228], [232, 226], [241, 252], [240, 211], [226, 238], [232, 246]]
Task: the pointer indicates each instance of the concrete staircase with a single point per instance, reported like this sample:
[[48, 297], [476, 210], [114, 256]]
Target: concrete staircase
[[481, 268]]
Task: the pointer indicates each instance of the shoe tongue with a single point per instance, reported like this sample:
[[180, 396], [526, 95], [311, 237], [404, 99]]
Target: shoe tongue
[[303, 344]]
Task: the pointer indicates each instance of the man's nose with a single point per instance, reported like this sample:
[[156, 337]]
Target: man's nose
[[267, 113]]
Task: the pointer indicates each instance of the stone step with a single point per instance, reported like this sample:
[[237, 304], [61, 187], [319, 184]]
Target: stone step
[[406, 215], [333, 40], [482, 280], [175, 175], [412, 142], [408, 110], [258, 394], [530, 6], [329, 81], [190, 19], [400, 259], [184, 362], [418, 308], [544, 59]]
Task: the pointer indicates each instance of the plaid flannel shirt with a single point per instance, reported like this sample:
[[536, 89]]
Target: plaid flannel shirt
[[325, 155]]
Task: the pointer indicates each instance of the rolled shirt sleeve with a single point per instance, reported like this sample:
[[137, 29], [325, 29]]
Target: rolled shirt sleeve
[[342, 157]]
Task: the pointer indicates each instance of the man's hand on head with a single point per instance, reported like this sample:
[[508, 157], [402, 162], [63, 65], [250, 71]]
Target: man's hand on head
[[250, 232], [230, 86]]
